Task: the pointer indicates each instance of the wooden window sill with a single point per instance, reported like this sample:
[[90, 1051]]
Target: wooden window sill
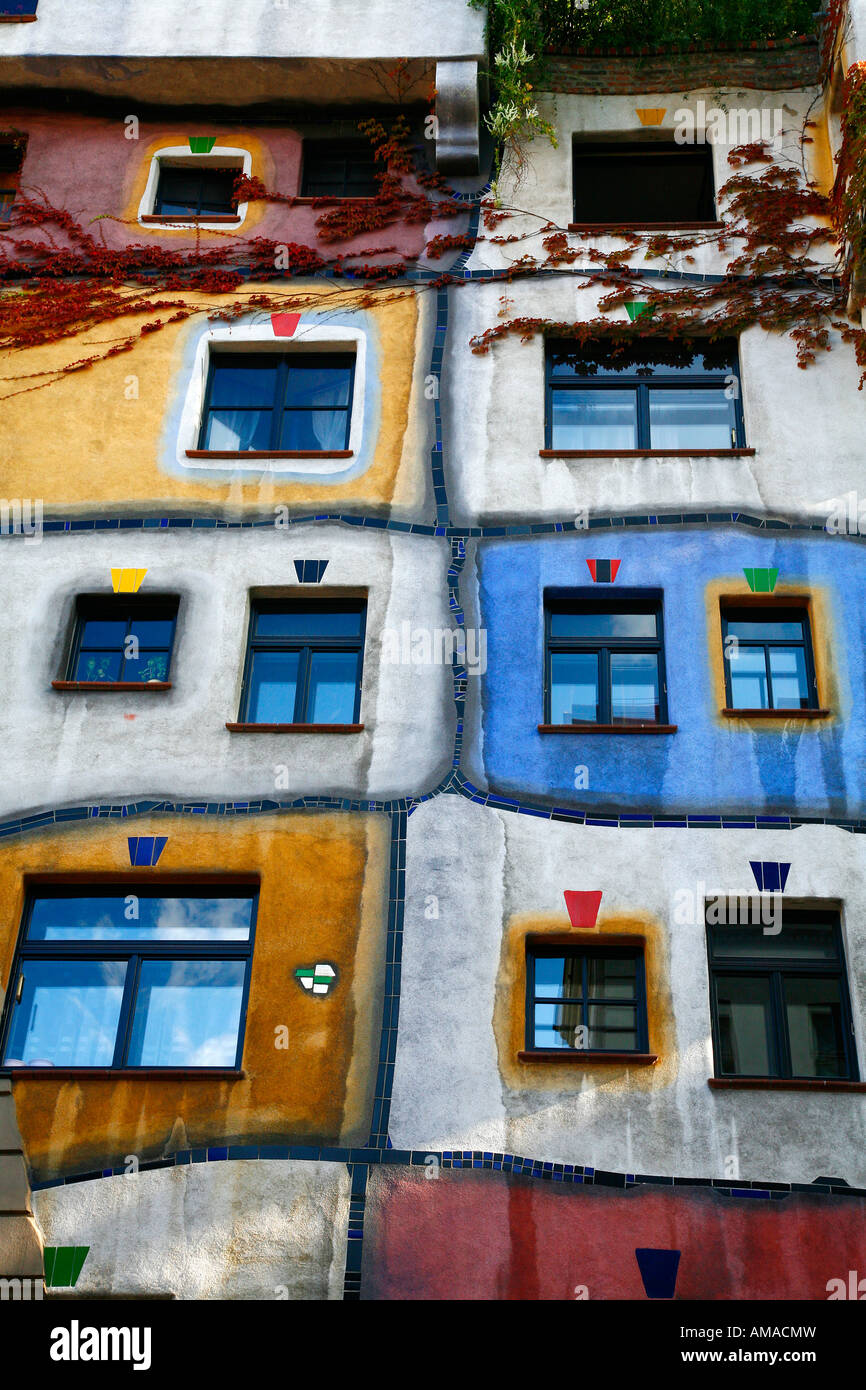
[[122, 686], [294, 728], [607, 728], [189, 219], [781, 1083], [18, 18], [629, 1059], [626, 229], [645, 453], [780, 714], [126, 1073], [270, 453]]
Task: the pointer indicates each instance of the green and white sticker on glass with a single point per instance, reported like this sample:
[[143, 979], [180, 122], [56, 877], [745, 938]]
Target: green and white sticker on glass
[[316, 979]]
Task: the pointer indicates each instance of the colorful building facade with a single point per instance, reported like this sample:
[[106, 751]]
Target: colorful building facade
[[430, 839]]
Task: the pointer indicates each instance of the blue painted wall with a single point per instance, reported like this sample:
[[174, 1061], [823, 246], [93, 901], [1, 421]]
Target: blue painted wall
[[710, 764]]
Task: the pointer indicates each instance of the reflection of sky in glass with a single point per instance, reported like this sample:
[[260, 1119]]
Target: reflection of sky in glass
[[158, 919], [187, 1013]]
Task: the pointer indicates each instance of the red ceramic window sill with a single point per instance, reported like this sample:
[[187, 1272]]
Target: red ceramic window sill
[[607, 728], [126, 1073], [781, 1083], [780, 714], [629, 1059], [269, 453], [18, 18], [645, 453], [619, 229], [123, 686], [294, 728], [182, 218]]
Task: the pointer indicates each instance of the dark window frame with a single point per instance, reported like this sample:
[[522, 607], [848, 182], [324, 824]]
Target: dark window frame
[[586, 601], [306, 646], [284, 362], [113, 607], [200, 171], [626, 152], [345, 150], [777, 970], [770, 612], [639, 381], [536, 950], [133, 952]]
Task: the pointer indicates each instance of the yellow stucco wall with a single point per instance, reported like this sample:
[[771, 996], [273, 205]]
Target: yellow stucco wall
[[94, 441], [322, 896]]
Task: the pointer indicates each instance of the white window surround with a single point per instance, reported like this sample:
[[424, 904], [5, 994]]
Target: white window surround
[[260, 337], [182, 156]]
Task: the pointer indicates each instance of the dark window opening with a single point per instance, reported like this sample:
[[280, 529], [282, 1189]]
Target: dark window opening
[[647, 394], [304, 662], [192, 191], [11, 161], [131, 976], [589, 999], [636, 185], [279, 401], [604, 662], [122, 639], [779, 998], [339, 169], [768, 658]]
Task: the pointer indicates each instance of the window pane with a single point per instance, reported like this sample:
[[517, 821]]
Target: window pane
[[798, 940], [238, 430], [743, 1005], [318, 386], [150, 666], [273, 687], [603, 624], [663, 183], [612, 1028], [788, 674], [137, 916], [765, 630], [333, 685], [594, 419], [574, 688], [634, 680], [612, 977], [244, 386], [556, 1025], [68, 1013], [814, 1009], [98, 632], [308, 622], [217, 191], [646, 357], [187, 1013], [153, 632], [559, 977], [690, 420], [748, 678], [98, 666], [317, 430]]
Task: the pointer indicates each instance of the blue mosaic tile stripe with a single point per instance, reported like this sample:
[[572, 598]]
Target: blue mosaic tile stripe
[[391, 1002], [358, 1173]]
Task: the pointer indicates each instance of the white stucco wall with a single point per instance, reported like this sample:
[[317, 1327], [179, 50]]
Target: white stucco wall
[[482, 867], [63, 749], [242, 1229], [270, 28]]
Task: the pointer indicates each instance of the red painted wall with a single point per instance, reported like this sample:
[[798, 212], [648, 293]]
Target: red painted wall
[[486, 1235]]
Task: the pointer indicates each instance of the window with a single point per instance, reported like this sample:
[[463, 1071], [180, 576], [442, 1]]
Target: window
[[18, 9], [131, 976], [585, 999], [605, 662], [11, 160], [195, 191], [339, 169], [768, 658], [304, 662], [650, 394], [122, 640], [646, 184], [779, 1002], [278, 402]]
